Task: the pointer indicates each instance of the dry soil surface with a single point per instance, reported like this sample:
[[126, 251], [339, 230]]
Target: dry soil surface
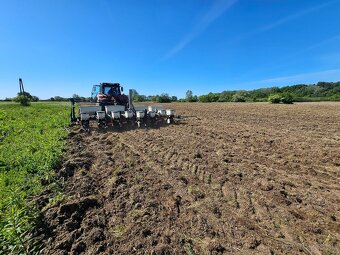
[[238, 179]]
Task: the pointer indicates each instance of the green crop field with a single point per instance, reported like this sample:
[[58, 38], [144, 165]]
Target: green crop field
[[31, 146]]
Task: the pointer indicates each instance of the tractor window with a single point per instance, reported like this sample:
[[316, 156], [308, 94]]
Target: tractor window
[[95, 91], [113, 91]]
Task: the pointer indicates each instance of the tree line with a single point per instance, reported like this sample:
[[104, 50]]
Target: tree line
[[162, 98], [24, 98], [321, 91]]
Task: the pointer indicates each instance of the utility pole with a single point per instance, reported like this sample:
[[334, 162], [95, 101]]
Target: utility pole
[[21, 85]]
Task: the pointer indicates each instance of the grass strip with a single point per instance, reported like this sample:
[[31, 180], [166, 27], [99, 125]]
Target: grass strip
[[32, 140]]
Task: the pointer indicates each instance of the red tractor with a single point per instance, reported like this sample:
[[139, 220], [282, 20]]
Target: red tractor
[[113, 108], [109, 94]]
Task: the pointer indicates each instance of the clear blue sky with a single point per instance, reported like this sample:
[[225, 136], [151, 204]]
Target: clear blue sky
[[62, 47]]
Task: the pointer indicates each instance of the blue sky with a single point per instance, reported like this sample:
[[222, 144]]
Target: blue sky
[[62, 47]]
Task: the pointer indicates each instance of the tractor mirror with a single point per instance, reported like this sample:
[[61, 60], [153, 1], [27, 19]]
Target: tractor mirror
[[122, 89]]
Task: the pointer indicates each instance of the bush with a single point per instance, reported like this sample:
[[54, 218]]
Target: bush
[[23, 100], [164, 98], [213, 97], [35, 99], [225, 96], [204, 98], [287, 98], [139, 98], [335, 97], [238, 98], [274, 99]]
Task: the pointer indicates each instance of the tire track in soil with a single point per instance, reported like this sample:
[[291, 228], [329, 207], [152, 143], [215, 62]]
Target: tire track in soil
[[195, 189], [243, 195]]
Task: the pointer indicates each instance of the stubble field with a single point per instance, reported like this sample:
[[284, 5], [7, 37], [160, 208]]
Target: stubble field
[[237, 179]]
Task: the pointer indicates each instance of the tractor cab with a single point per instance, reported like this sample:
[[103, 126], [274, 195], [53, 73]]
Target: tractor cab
[[109, 94]]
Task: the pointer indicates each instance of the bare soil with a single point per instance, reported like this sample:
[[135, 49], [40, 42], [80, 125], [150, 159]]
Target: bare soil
[[238, 179]]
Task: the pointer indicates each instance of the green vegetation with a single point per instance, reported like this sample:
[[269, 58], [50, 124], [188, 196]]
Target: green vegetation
[[211, 97], [189, 97], [239, 97], [118, 230], [23, 100], [31, 144], [162, 98], [274, 99], [322, 91], [285, 98]]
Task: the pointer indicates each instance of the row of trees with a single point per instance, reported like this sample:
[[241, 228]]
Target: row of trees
[[24, 98], [300, 92], [23, 94], [162, 98], [326, 91], [322, 91], [74, 96]]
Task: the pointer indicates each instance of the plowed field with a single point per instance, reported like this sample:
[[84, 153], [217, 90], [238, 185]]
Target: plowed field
[[238, 179]]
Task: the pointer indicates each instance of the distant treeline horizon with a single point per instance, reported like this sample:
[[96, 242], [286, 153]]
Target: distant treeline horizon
[[321, 91]]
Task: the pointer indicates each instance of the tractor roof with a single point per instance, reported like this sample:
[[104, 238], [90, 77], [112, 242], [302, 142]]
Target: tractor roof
[[107, 84]]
